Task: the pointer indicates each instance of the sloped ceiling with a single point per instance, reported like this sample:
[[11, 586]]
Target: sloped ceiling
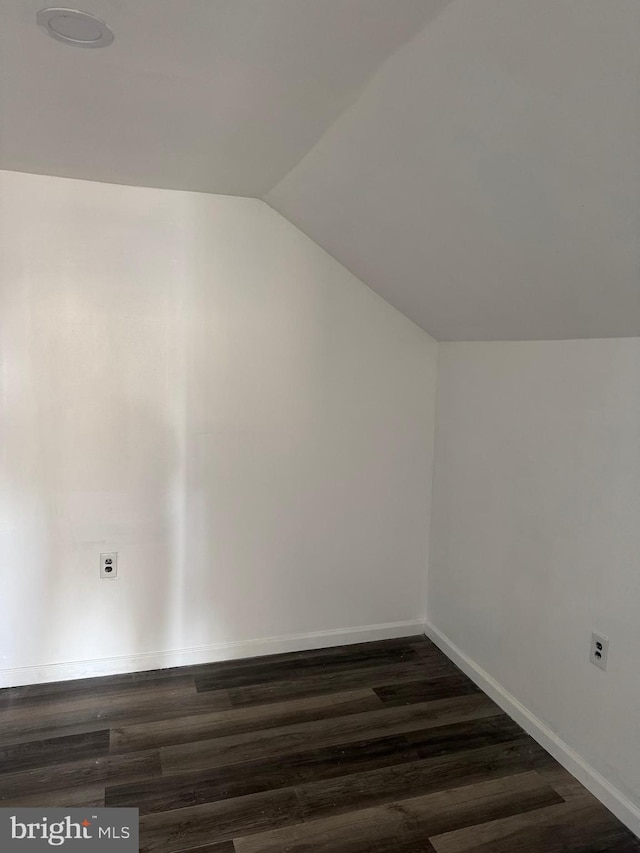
[[487, 182], [221, 96], [476, 162]]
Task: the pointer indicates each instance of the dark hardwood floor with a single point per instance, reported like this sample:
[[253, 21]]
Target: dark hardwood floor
[[371, 748]]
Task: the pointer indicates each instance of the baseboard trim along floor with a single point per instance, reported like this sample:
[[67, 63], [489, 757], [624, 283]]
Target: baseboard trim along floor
[[595, 782], [384, 746], [68, 670]]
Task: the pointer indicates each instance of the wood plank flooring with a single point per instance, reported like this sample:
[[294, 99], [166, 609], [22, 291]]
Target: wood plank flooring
[[371, 748]]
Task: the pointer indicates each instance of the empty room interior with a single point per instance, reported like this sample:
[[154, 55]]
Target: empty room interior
[[320, 426]]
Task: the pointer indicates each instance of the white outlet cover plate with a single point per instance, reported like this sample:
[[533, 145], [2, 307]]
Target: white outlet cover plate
[[599, 650], [109, 570]]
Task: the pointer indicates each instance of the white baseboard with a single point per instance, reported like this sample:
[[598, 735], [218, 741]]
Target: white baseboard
[[608, 794], [66, 671]]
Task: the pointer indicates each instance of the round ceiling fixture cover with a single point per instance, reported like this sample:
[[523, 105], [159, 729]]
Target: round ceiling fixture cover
[[72, 26]]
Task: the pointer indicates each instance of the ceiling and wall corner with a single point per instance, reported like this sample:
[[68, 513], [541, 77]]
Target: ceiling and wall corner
[[219, 96], [475, 163], [487, 182]]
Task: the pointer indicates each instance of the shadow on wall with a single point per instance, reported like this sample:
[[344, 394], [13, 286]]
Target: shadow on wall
[[93, 456], [190, 382], [123, 391], [101, 472]]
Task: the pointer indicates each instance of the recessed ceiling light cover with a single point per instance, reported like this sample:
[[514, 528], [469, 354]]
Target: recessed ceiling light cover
[[74, 27]]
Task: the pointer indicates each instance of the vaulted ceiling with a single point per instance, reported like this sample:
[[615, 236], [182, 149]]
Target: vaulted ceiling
[[220, 96], [476, 162]]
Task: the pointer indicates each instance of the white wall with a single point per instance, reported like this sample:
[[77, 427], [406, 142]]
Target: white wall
[[190, 381], [536, 535]]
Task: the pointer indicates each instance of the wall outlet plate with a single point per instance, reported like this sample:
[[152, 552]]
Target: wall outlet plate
[[599, 650], [109, 565]]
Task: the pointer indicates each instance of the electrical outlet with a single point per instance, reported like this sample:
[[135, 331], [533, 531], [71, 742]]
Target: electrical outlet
[[599, 650], [109, 565]]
